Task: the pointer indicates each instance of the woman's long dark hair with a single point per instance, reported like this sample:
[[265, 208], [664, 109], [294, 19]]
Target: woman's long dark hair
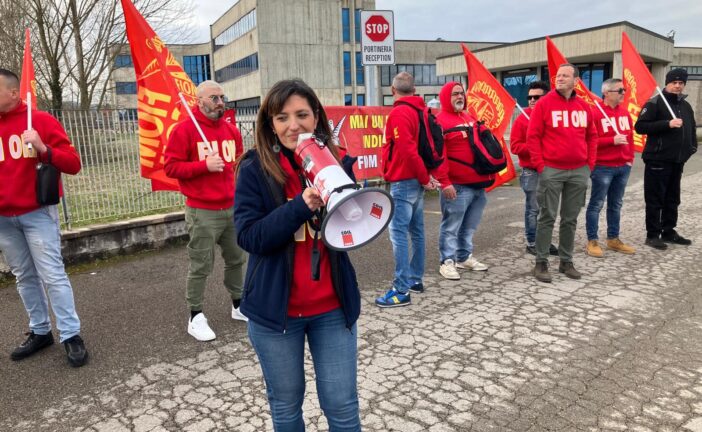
[[272, 105]]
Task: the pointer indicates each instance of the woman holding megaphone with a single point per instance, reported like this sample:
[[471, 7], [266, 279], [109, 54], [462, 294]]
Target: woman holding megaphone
[[295, 287]]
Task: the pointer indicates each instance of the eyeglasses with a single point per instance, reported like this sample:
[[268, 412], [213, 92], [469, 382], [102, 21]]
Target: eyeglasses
[[620, 91], [217, 98], [535, 97]]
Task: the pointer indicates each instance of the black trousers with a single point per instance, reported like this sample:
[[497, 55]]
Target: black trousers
[[662, 195]]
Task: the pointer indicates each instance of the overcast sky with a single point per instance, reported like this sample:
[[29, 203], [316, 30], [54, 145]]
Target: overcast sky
[[515, 20]]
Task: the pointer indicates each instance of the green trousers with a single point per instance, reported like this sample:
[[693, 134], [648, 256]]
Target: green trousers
[[555, 185], [208, 228]]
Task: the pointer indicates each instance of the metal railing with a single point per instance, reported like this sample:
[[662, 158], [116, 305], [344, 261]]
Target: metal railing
[[109, 186]]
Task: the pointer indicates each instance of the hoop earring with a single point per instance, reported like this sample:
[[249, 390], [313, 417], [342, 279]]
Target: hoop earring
[[276, 147]]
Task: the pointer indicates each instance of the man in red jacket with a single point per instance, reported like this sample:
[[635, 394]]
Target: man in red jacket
[[529, 177], [463, 196], [562, 142], [30, 239], [404, 169], [615, 156], [205, 173]]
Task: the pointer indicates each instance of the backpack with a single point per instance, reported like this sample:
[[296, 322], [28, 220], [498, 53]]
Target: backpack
[[430, 146], [488, 155]]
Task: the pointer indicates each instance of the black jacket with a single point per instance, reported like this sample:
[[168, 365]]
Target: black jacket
[[266, 223], [664, 143]]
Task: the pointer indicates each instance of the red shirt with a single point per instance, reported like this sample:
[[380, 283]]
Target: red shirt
[[608, 153], [517, 139], [307, 297], [401, 160], [185, 161], [562, 133], [18, 163]]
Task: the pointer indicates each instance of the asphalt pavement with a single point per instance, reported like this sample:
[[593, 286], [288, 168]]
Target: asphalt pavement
[[619, 350]]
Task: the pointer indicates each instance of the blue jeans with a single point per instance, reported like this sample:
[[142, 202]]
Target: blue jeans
[[529, 180], [334, 356], [459, 220], [408, 218], [610, 183], [31, 244]]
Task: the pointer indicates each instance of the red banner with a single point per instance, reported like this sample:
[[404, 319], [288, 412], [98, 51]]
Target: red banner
[[639, 84], [359, 130], [555, 59], [160, 79], [488, 101], [28, 82]]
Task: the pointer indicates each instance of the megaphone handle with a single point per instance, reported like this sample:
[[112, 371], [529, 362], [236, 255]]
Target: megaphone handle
[[314, 259]]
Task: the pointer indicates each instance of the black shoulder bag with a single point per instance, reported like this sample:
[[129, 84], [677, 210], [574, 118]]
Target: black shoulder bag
[[47, 186]]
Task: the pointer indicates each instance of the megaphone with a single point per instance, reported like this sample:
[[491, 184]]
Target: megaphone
[[354, 216]]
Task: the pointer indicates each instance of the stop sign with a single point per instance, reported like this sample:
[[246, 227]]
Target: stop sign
[[377, 28]]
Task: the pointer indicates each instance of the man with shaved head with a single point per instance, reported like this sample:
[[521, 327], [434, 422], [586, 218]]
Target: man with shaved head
[[205, 172]]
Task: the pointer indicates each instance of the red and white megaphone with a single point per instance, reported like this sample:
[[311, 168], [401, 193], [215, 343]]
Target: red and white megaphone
[[354, 216]]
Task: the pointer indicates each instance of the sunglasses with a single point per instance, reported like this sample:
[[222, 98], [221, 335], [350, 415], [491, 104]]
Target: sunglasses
[[535, 97], [620, 91]]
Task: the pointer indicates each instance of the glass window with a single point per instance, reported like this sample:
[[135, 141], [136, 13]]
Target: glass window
[[517, 84], [244, 25], [123, 60], [197, 68], [385, 79], [359, 70], [238, 68], [348, 100], [125, 87], [357, 18], [360, 99], [347, 68], [388, 100], [345, 25], [428, 97]]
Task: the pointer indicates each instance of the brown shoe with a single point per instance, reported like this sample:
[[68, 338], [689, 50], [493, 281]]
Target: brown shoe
[[617, 245], [567, 268], [540, 271], [594, 250]]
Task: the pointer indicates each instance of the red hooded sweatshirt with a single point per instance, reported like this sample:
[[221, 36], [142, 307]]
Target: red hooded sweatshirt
[[562, 133], [401, 160], [457, 151], [18, 163], [517, 139], [185, 161], [608, 153]]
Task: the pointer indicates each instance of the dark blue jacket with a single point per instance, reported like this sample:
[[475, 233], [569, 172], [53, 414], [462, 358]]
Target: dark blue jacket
[[266, 223]]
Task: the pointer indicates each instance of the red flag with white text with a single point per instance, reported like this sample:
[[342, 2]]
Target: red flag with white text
[[639, 84], [488, 101], [555, 59], [159, 80], [28, 82]]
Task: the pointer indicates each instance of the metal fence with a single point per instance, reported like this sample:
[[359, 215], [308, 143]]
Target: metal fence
[[109, 186]]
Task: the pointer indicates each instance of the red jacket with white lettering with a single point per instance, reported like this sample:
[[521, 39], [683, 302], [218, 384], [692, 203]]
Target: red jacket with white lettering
[[18, 163], [185, 161], [401, 160], [458, 155], [517, 139], [562, 133], [608, 153]]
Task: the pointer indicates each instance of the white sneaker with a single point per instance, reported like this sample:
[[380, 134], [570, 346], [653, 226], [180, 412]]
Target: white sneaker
[[237, 315], [472, 264], [198, 328], [448, 270]]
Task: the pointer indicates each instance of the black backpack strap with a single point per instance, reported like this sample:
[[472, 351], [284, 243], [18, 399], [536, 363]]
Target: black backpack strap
[[457, 129]]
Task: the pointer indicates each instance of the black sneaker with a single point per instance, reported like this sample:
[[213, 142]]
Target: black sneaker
[[656, 243], [553, 250], [531, 250], [34, 343], [417, 288], [676, 238], [75, 351]]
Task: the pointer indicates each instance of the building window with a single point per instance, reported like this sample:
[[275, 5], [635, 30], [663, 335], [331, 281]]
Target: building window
[[238, 68], [347, 68], [244, 25], [517, 84], [345, 25], [197, 68], [359, 70], [357, 25], [594, 74], [361, 100], [694, 72], [424, 74], [123, 60], [348, 99], [388, 100], [125, 88]]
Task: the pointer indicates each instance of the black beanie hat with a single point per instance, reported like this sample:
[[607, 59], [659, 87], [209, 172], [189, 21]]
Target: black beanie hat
[[676, 75]]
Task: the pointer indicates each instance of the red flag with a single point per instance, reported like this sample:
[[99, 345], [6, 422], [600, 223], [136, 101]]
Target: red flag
[[639, 83], [488, 101], [159, 80], [555, 59], [28, 82]]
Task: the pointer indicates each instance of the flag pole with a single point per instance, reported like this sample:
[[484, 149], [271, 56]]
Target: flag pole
[[658, 89], [607, 117], [29, 115], [522, 110], [197, 125]]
